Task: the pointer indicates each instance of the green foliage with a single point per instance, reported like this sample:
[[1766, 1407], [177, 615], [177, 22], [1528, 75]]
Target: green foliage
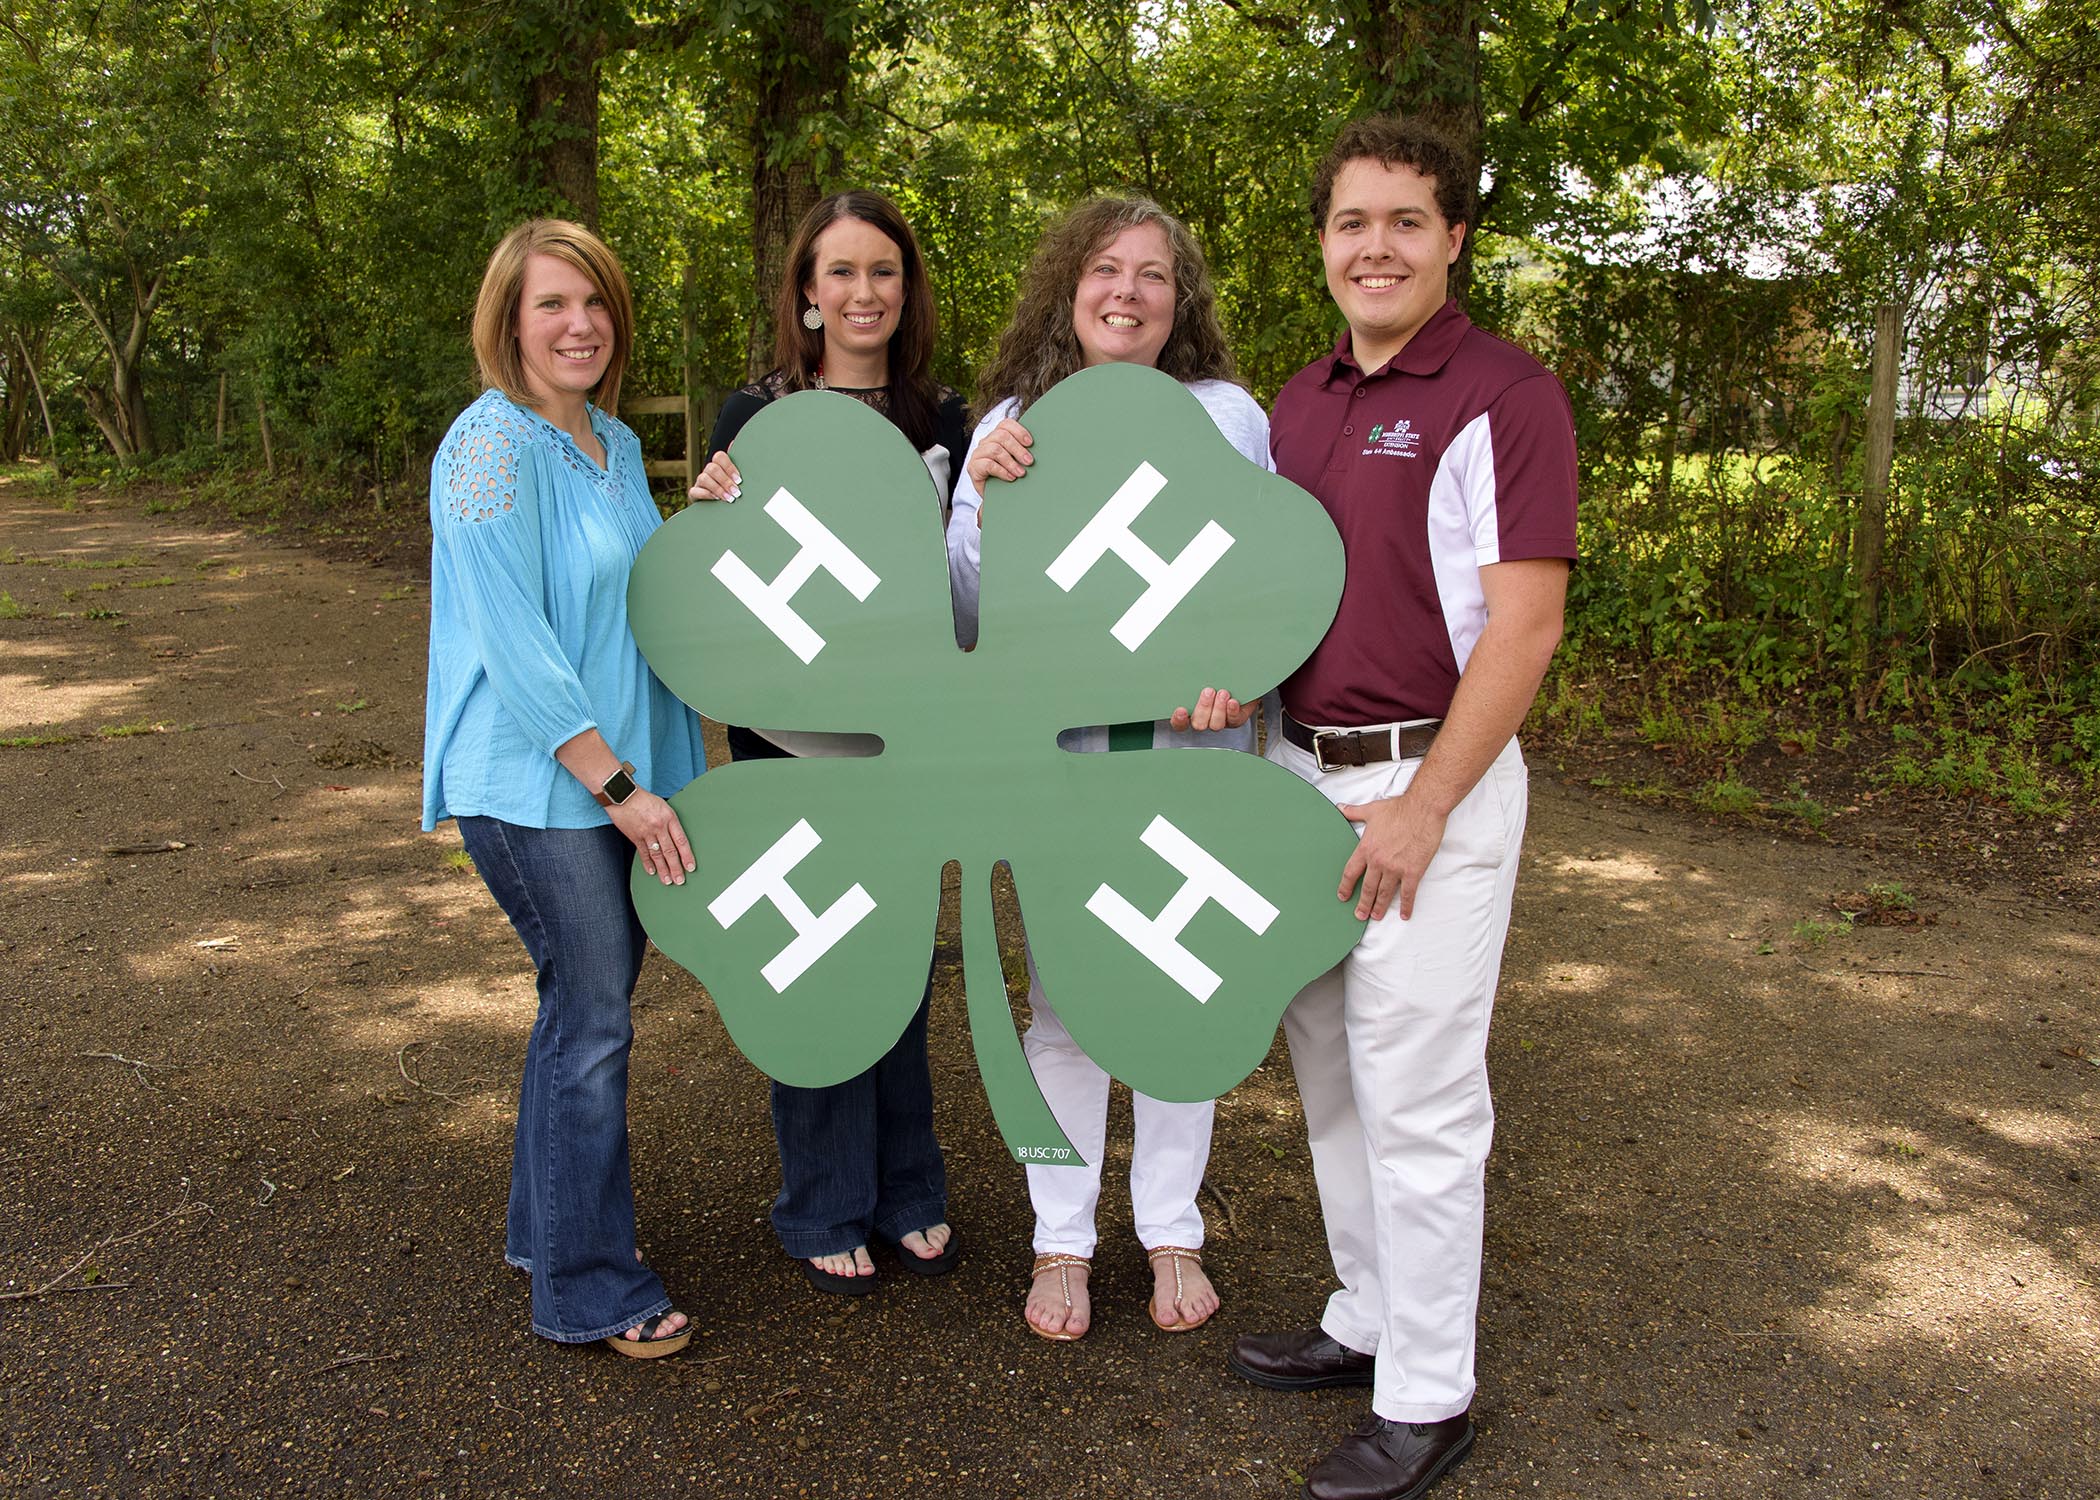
[[1960, 761], [1727, 797], [1796, 803], [1690, 215]]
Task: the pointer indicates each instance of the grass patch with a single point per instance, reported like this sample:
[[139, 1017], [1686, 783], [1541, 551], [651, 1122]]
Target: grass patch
[[1967, 763], [25, 560], [126, 731], [1890, 895], [1727, 797], [459, 862], [1798, 804], [9, 610], [1815, 934], [36, 741], [352, 708]]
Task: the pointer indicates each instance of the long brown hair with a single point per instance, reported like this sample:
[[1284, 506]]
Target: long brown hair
[[1040, 347], [798, 352], [496, 309]]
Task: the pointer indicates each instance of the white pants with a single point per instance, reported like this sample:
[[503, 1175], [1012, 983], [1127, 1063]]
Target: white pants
[[1390, 1051], [1170, 1149]]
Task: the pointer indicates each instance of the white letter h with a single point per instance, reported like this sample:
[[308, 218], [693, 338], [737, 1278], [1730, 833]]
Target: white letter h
[[767, 880], [773, 602], [1166, 583], [1159, 939]]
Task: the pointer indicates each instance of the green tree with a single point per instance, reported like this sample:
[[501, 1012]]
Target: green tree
[[105, 123]]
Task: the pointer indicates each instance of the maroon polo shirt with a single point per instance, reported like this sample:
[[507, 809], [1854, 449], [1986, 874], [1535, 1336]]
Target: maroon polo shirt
[[1458, 453]]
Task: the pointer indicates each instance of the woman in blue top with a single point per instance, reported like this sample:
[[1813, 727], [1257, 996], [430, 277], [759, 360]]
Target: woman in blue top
[[549, 739]]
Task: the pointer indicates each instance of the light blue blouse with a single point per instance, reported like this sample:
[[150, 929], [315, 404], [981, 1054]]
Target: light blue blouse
[[529, 645]]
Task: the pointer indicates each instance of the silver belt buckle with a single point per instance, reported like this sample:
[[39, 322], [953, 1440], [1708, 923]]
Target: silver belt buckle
[[1319, 746]]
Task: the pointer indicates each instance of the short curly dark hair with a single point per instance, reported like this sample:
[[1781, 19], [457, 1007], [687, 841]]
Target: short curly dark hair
[[1401, 141]]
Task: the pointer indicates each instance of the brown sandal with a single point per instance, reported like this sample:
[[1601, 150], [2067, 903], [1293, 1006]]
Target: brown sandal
[[655, 1342], [1062, 1264], [1178, 1254]]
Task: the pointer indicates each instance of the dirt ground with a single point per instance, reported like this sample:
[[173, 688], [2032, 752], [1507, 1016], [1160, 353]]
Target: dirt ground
[[1779, 1204]]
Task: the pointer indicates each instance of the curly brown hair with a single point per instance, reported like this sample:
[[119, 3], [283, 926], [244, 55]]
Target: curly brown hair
[[798, 352], [1040, 347], [1401, 141]]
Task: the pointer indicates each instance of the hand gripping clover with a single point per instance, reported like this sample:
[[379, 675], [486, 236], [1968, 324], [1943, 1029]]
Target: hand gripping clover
[[1174, 901]]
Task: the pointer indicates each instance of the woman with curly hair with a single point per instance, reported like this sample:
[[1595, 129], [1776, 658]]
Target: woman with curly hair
[[1115, 280]]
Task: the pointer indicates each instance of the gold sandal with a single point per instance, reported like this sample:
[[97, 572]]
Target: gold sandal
[[1062, 1264], [1178, 1254]]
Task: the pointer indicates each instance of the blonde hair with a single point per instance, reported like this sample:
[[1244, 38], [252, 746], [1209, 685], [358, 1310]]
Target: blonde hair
[[1040, 346], [496, 309]]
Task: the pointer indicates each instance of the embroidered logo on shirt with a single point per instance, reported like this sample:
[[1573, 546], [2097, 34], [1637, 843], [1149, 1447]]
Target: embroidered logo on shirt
[[1399, 440]]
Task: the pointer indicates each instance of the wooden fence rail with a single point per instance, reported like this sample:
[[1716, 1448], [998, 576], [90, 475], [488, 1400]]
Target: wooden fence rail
[[699, 404]]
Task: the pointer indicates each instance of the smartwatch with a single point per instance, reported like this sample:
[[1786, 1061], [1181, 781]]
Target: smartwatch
[[617, 787]]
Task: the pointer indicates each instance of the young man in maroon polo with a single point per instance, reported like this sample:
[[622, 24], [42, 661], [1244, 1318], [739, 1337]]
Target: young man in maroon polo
[[1447, 459]]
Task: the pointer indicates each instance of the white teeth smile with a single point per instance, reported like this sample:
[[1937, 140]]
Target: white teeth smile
[[1377, 283], [864, 320], [578, 356], [1117, 320]]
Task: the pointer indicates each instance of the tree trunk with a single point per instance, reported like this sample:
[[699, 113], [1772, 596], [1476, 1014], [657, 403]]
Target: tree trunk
[[262, 422], [1673, 414], [558, 126], [14, 412], [805, 74], [37, 384], [131, 407], [688, 355], [124, 422], [1871, 532], [106, 417], [1422, 58]]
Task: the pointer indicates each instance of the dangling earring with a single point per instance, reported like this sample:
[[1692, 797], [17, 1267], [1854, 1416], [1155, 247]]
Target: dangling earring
[[811, 318]]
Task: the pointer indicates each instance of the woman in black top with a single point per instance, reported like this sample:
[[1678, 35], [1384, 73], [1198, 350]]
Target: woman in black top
[[855, 315]]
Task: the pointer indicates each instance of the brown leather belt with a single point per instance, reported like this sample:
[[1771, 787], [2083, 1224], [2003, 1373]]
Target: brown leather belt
[[1335, 749]]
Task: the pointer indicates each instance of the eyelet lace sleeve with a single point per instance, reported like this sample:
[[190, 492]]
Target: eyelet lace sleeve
[[479, 468], [489, 583]]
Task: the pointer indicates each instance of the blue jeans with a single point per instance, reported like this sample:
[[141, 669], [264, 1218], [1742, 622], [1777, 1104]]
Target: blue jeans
[[571, 1218], [858, 1160]]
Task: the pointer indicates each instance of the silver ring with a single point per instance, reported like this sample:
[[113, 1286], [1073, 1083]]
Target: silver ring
[[655, 847]]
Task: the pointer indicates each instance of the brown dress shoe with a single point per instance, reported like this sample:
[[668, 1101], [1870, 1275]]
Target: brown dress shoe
[[1303, 1359], [1385, 1460]]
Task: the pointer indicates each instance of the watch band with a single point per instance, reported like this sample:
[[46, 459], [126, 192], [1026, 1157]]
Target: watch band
[[618, 787]]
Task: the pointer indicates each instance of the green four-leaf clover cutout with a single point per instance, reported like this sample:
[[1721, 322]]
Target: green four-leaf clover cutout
[[1174, 901]]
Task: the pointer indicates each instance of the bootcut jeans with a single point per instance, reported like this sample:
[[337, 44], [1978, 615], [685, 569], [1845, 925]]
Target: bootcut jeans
[[858, 1160], [571, 1221]]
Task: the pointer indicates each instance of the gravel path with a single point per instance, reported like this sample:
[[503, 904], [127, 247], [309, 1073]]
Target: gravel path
[[1778, 1205]]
